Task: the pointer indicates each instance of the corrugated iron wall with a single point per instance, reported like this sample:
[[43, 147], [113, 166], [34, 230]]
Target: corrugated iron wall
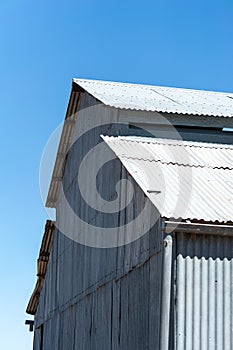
[[203, 292]]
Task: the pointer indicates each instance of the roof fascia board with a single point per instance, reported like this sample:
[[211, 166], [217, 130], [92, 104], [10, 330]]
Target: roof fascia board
[[198, 228], [79, 100], [67, 132]]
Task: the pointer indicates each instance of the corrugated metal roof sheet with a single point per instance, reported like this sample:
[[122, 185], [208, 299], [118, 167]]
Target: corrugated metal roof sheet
[[158, 98], [188, 180]]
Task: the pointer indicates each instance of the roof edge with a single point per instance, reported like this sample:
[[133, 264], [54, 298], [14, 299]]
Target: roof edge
[[42, 263], [199, 228]]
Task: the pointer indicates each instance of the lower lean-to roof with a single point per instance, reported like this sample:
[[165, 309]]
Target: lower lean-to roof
[[183, 179]]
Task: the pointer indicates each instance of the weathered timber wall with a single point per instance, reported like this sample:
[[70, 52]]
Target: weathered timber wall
[[101, 298]]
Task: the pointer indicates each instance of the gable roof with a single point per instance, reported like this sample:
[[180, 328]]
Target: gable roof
[[184, 180], [135, 97], [159, 98]]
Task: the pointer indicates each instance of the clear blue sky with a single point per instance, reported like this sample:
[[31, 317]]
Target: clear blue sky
[[46, 43]]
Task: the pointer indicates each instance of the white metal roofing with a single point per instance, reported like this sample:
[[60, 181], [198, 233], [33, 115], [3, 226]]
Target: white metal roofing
[[188, 180], [159, 99]]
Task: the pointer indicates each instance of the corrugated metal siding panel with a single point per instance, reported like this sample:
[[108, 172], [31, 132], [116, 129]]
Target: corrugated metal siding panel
[[204, 292], [158, 98], [197, 190]]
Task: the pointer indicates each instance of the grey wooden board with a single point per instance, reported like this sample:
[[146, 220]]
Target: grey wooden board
[[37, 339], [97, 298], [78, 270], [122, 314]]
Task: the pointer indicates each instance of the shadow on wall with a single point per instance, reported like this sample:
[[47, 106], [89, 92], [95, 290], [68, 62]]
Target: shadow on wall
[[204, 246]]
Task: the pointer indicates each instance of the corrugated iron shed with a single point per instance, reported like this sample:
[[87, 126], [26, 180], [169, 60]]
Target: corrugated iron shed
[[184, 180], [159, 98], [42, 264]]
